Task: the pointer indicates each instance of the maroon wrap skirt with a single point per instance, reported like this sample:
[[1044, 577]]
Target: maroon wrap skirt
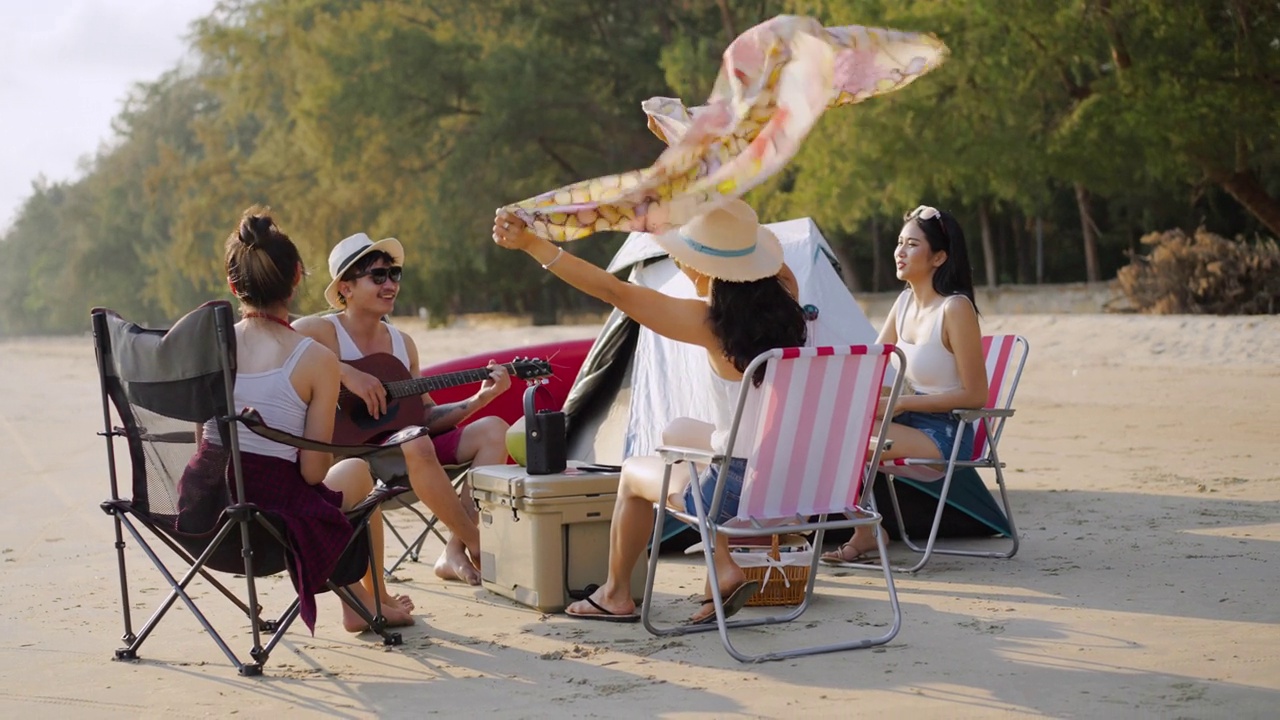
[[317, 529]]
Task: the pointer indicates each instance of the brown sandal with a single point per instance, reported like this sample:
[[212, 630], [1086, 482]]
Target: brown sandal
[[838, 558]]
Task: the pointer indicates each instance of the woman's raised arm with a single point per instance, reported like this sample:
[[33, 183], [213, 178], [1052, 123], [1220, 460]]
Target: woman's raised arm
[[680, 319]]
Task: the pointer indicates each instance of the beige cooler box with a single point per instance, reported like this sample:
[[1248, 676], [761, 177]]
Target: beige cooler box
[[542, 536]]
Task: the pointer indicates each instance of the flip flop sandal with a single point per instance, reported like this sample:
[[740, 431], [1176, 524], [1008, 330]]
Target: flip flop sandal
[[862, 559], [733, 602], [605, 615]]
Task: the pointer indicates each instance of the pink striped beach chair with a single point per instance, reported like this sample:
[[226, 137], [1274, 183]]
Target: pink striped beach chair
[[1005, 357], [809, 436]]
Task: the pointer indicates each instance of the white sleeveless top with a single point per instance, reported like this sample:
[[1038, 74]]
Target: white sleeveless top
[[348, 351], [722, 395], [271, 393], [931, 367]]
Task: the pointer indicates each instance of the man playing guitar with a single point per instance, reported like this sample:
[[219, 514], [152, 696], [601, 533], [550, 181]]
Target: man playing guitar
[[366, 279]]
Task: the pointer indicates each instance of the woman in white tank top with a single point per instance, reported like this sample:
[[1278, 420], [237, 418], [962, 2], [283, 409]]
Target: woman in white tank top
[[293, 381], [935, 323]]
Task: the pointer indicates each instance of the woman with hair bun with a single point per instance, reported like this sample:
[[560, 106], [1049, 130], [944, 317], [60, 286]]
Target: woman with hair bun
[[935, 323], [293, 382]]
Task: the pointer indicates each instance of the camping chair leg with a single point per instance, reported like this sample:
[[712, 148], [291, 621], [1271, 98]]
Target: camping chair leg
[[178, 590], [254, 614], [931, 546], [243, 518], [863, 643], [412, 550], [278, 630], [722, 624], [212, 580], [647, 603], [408, 552], [928, 549], [707, 544], [1004, 499], [1004, 505], [127, 653]]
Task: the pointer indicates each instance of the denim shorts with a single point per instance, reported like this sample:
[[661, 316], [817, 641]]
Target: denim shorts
[[732, 490], [941, 429]]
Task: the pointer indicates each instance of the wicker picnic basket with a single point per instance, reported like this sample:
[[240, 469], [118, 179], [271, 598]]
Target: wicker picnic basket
[[780, 583]]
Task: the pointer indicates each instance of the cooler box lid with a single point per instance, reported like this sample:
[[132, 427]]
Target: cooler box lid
[[516, 482]]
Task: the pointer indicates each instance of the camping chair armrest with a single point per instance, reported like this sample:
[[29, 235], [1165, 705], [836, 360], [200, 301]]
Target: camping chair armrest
[[252, 419], [676, 453], [907, 462], [177, 436], [379, 495], [971, 416]]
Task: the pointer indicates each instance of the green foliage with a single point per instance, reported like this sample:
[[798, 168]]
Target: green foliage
[[416, 118]]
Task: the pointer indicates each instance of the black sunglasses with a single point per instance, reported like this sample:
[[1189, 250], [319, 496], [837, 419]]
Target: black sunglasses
[[380, 275]]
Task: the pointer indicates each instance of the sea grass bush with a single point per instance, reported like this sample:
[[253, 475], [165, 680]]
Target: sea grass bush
[[1202, 274]]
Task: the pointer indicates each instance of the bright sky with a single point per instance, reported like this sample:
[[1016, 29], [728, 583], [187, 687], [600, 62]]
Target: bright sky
[[66, 67]]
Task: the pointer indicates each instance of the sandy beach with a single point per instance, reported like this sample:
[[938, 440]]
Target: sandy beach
[[1145, 478]]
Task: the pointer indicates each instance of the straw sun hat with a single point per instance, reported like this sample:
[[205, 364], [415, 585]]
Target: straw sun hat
[[726, 243], [348, 253]]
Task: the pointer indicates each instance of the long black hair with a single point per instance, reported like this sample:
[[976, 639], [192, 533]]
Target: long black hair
[[955, 275], [751, 317]]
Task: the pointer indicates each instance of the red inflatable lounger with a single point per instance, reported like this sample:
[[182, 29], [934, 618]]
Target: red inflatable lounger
[[565, 358]]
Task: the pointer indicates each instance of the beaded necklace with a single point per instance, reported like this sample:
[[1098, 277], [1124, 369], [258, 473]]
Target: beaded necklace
[[268, 316]]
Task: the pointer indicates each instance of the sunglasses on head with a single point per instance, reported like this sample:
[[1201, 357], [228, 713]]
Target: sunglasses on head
[[924, 212], [380, 275]]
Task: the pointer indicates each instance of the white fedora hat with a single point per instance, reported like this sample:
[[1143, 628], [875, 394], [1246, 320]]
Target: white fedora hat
[[348, 253], [726, 243]]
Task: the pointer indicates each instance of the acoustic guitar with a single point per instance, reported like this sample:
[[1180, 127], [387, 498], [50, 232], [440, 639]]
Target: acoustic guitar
[[354, 425]]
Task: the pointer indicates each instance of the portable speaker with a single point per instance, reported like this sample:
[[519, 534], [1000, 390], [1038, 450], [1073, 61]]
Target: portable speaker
[[544, 436]]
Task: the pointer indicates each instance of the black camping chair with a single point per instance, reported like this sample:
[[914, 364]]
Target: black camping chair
[[161, 384]]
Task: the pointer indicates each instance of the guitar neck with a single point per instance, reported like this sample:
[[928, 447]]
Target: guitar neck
[[397, 389]]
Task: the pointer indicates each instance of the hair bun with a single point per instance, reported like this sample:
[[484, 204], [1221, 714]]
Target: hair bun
[[255, 229]]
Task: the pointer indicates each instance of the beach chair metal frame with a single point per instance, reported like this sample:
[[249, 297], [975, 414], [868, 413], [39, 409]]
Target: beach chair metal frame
[[1005, 356], [810, 451], [160, 384]]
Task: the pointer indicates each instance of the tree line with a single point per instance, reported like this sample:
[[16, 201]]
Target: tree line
[[1058, 132]]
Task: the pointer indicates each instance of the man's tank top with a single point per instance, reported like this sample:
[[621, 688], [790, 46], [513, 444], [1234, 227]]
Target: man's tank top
[[348, 351]]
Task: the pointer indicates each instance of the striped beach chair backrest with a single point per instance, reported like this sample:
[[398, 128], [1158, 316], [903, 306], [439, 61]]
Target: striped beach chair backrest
[[1005, 355], [805, 431]]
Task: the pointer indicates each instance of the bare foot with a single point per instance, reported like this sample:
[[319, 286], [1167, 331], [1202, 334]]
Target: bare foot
[[404, 602], [356, 624], [395, 614], [455, 564]]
